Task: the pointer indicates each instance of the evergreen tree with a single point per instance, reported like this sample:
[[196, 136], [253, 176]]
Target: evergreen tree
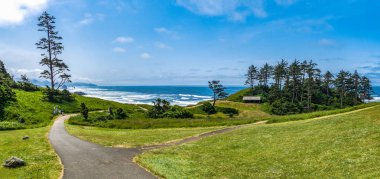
[[294, 80], [356, 86], [341, 84], [366, 89], [279, 73], [328, 79], [217, 89], [265, 74], [6, 96], [303, 70], [251, 77], [306, 88], [84, 110], [5, 76], [52, 46], [312, 74]]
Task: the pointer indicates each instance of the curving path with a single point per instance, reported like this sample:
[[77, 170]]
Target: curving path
[[83, 159]]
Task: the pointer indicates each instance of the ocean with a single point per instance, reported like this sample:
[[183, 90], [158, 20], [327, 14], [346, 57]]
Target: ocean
[[177, 95], [376, 96]]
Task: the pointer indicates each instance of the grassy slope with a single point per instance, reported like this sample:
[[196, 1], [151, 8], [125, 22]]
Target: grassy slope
[[133, 137], [238, 96], [41, 160], [346, 146], [38, 113], [246, 110]]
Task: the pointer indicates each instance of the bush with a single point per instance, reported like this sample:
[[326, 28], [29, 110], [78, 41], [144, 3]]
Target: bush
[[104, 118], [178, 112], [27, 86], [57, 95], [279, 107], [208, 108], [160, 106], [10, 125], [84, 111], [120, 114], [229, 111]]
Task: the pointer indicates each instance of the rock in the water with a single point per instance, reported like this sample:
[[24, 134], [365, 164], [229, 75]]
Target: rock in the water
[[25, 137], [80, 93], [14, 162]]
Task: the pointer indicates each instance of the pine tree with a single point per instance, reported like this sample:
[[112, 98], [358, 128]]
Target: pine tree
[[312, 74], [366, 89], [217, 89], [294, 80], [279, 73], [341, 83], [251, 77], [356, 85], [52, 46], [328, 79], [265, 74]]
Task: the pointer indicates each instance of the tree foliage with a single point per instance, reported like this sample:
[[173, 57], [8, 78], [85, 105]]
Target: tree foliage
[[84, 111], [51, 44], [301, 87], [217, 89], [161, 108]]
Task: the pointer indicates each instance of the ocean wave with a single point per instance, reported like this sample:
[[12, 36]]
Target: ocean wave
[[139, 98], [376, 99]]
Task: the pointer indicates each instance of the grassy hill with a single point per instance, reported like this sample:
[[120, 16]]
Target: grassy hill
[[41, 160], [238, 96], [344, 146], [34, 112]]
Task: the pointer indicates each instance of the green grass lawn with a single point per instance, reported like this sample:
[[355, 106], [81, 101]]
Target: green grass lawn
[[346, 146], [41, 161], [133, 137], [38, 113], [246, 110]]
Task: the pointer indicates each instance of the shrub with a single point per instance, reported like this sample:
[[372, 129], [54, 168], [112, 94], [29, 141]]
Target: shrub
[[10, 125], [279, 107], [229, 111], [178, 112], [208, 108], [28, 87], [57, 95], [84, 111], [120, 114], [160, 106], [103, 118]]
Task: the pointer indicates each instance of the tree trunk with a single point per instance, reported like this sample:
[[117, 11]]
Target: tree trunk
[[213, 104], [50, 62]]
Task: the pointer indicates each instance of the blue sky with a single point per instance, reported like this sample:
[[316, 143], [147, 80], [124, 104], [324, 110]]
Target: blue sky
[[188, 42]]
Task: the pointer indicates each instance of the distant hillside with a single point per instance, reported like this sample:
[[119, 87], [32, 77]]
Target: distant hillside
[[238, 96], [47, 83]]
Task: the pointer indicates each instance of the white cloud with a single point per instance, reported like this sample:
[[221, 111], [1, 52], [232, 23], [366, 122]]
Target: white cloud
[[118, 50], [326, 42], [303, 25], [165, 31], [161, 45], [31, 73], [16, 11], [124, 40], [145, 56], [235, 10], [90, 18]]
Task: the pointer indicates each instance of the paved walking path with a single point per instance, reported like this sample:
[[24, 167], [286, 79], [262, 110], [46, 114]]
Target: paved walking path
[[83, 159]]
